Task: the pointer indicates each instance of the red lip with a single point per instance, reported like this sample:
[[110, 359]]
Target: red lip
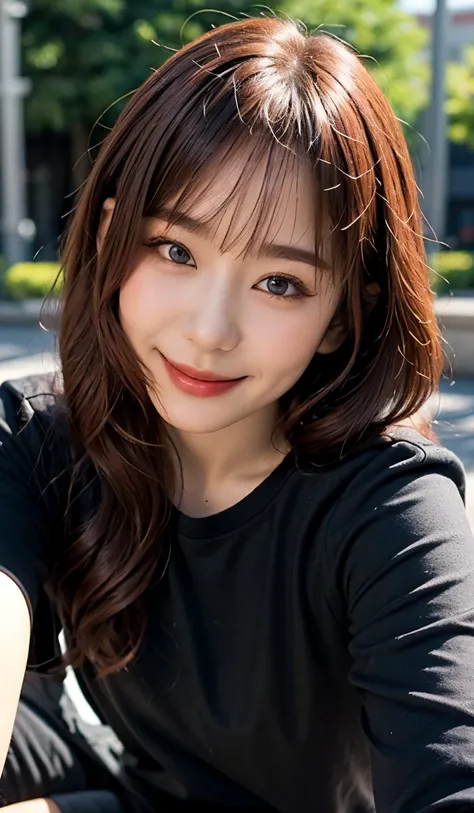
[[199, 375], [199, 383]]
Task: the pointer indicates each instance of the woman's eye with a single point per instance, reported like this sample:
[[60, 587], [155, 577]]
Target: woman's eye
[[171, 251], [282, 287], [177, 253]]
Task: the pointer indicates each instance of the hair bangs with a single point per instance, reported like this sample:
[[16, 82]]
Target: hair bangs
[[221, 184]]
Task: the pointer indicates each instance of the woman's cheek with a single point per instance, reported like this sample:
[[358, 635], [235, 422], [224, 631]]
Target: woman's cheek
[[138, 300]]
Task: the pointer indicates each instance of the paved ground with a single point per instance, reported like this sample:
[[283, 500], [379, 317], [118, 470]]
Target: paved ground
[[25, 350], [454, 426]]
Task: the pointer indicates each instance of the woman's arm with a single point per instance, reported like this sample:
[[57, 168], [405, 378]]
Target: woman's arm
[[14, 643], [35, 806], [406, 568]]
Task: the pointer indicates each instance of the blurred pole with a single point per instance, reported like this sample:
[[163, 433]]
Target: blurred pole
[[12, 137], [437, 136]]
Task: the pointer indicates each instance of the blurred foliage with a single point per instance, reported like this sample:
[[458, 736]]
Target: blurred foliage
[[83, 54], [31, 280], [460, 104], [452, 270], [3, 268]]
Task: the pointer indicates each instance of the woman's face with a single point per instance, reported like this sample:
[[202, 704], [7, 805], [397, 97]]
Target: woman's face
[[192, 312]]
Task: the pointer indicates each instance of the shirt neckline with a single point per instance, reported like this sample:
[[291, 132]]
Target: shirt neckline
[[239, 514]]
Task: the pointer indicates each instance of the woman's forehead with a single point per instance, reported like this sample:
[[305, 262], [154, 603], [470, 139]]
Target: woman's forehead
[[242, 203]]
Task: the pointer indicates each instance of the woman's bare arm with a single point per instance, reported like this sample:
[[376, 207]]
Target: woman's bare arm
[[35, 806], [14, 644]]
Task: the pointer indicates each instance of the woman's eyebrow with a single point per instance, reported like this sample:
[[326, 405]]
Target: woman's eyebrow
[[184, 221], [292, 253]]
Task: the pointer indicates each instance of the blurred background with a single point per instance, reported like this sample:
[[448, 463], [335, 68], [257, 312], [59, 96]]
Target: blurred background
[[68, 66]]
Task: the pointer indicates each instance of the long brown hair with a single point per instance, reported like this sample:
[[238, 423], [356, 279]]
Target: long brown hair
[[266, 88]]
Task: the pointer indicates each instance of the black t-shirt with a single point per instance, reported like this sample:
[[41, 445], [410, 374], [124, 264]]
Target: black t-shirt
[[308, 649]]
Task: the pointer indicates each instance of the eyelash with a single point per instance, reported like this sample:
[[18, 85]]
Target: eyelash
[[301, 288]]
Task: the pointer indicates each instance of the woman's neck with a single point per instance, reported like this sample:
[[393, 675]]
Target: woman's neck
[[221, 467]]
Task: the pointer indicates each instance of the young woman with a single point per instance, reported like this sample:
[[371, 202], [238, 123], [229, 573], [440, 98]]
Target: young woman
[[265, 577]]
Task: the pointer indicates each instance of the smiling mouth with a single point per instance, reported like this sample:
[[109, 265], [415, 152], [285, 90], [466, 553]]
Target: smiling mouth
[[200, 383], [200, 375]]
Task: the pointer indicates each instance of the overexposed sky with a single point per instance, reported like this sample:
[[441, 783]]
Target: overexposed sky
[[417, 6]]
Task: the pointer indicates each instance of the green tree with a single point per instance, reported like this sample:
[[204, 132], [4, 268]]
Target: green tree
[[460, 103], [83, 54], [393, 41]]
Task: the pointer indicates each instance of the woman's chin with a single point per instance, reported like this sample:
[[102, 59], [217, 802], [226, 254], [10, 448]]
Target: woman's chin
[[199, 420]]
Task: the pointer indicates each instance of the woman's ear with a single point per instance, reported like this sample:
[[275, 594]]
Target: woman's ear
[[335, 335], [370, 297], [338, 328], [105, 218], [336, 332]]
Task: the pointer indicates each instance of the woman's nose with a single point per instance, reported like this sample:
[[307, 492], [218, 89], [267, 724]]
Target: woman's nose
[[213, 323]]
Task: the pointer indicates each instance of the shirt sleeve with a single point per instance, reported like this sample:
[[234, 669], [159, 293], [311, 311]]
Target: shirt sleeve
[[406, 574]]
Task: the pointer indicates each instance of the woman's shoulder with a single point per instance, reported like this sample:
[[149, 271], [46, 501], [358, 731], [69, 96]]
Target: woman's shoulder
[[35, 441], [399, 474], [400, 451], [403, 452], [397, 482], [393, 506]]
